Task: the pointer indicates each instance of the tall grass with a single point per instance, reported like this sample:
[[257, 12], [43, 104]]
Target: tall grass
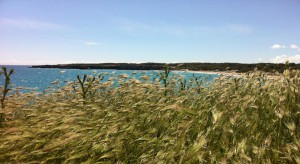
[[249, 119]]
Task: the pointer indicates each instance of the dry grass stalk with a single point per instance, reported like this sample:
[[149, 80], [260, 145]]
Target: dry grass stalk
[[248, 119]]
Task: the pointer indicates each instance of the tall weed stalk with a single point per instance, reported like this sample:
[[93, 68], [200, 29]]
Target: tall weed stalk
[[6, 88]]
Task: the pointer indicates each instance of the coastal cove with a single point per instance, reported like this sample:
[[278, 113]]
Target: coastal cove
[[138, 82], [40, 79]]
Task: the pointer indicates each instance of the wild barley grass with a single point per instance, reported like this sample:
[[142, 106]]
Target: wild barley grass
[[249, 119]]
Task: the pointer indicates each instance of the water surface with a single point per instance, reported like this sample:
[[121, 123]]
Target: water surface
[[41, 78]]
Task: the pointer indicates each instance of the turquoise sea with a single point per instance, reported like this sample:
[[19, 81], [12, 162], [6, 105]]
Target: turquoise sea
[[41, 78]]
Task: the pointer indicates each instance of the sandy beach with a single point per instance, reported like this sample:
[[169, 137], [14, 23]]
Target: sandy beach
[[226, 73]]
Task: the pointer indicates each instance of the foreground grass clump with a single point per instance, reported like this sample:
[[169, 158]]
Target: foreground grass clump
[[248, 119]]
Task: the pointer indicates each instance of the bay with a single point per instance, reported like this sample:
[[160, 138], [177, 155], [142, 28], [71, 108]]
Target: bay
[[41, 78]]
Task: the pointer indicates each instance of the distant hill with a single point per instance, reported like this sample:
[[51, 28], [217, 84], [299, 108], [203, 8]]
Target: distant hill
[[237, 67]]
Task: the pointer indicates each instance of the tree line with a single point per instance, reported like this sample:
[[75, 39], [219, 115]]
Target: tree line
[[237, 67]]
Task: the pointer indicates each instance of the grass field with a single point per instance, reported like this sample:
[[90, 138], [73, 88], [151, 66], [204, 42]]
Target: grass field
[[253, 118]]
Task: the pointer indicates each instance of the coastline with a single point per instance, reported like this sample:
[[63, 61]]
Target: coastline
[[208, 68], [225, 73]]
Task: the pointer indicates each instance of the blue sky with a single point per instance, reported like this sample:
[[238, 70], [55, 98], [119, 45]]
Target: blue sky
[[96, 31]]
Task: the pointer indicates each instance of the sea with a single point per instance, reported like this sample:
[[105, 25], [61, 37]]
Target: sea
[[41, 78]]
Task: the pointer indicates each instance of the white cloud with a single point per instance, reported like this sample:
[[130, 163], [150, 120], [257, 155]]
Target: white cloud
[[280, 46], [277, 46], [30, 24], [294, 46], [91, 43], [284, 58]]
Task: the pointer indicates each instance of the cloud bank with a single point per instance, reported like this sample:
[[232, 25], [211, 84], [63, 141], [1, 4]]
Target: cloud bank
[[284, 58]]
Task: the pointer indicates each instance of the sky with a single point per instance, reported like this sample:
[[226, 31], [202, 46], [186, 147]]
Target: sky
[[34, 32]]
